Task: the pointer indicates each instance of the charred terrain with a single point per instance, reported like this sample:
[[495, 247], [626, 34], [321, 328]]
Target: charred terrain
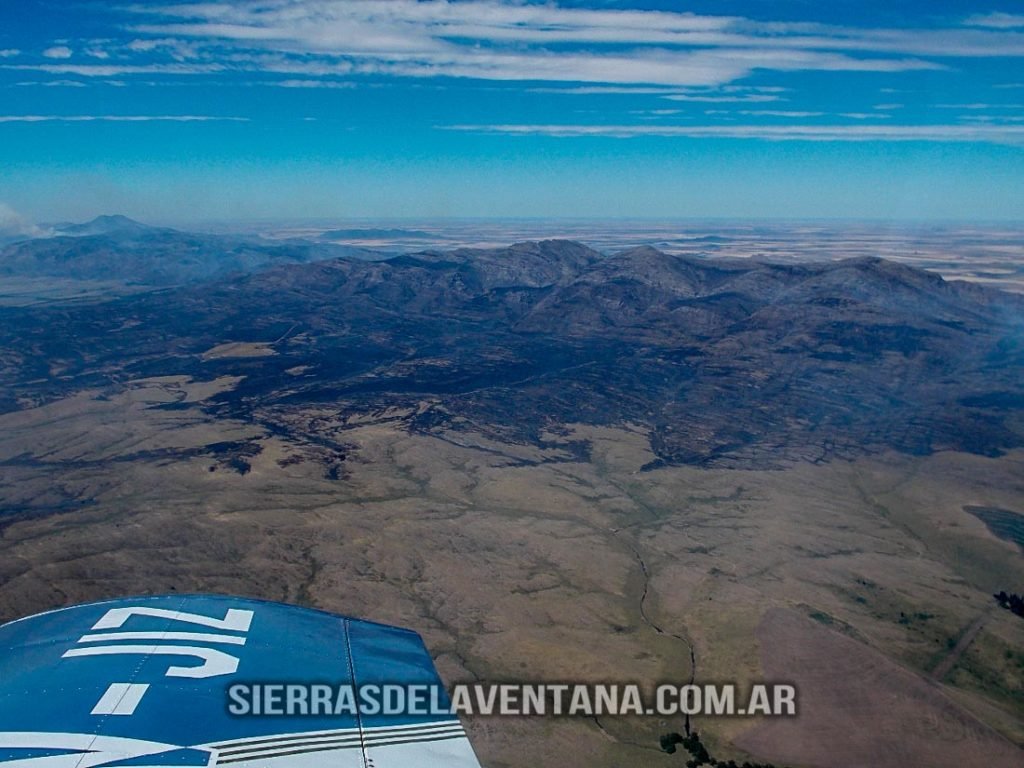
[[727, 363], [554, 463]]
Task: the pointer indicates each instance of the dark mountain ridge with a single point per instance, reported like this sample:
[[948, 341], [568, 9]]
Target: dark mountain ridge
[[116, 248], [727, 362]]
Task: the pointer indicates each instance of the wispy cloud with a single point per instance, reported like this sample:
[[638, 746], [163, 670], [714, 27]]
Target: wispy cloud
[[655, 112], [391, 26], [931, 133], [486, 39], [339, 84], [179, 50], [118, 118], [517, 41], [777, 113], [113, 70], [7, 53], [699, 68], [52, 84], [641, 90], [980, 105], [992, 118], [727, 98], [58, 52], [677, 93], [996, 20]]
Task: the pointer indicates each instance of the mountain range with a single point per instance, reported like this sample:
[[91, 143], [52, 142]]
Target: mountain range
[[733, 363]]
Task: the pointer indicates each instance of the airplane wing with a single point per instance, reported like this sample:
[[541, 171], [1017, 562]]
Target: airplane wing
[[144, 682]]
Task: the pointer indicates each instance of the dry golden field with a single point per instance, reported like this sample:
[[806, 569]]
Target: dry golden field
[[855, 580]]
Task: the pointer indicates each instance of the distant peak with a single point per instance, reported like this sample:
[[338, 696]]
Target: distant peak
[[862, 261], [562, 249], [642, 250], [643, 254], [549, 243], [104, 225], [116, 220], [876, 265]]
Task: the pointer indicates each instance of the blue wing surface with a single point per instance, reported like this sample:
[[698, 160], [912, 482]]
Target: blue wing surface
[[144, 681]]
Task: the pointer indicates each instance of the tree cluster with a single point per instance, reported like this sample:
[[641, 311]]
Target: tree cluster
[[1014, 603], [699, 755]]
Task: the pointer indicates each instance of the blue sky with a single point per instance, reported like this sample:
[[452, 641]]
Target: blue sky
[[173, 111]]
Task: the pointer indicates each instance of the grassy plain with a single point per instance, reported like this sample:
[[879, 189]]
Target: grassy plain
[[855, 580]]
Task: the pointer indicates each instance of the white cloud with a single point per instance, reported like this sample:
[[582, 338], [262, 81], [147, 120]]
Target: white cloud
[[6, 53], [999, 134], [179, 50], [53, 83], [777, 113], [515, 41], [716, 93], [392, 26], [996, 20], [587, 90], [519, 41], [980, 105], [341, 84], [713, 98], [117, 118], [58, 52], [113, 70], [655, 112], [993, 118]]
